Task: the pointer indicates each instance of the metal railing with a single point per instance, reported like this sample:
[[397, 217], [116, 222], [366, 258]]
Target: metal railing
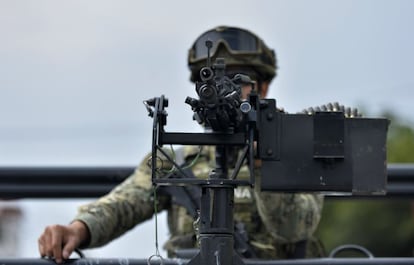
[[123, 261], [91, 182]]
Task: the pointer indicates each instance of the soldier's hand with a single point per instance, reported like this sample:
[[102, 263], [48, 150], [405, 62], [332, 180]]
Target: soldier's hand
[[59, 241]]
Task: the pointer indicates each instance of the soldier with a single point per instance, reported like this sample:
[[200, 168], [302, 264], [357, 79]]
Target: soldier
[[278, 225]]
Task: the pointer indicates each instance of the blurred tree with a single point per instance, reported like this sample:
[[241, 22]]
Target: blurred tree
[[400, 142], [384, 227]]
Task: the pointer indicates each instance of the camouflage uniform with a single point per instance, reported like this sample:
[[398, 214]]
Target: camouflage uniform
[[274, 221]]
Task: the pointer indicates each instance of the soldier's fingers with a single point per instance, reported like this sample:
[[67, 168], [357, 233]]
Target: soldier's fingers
[[68, 248], [46, 244], [41, 247], [56, 243]]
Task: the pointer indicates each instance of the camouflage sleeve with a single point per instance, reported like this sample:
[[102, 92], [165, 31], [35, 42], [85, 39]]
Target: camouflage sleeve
[[289, 217], [128, 204]]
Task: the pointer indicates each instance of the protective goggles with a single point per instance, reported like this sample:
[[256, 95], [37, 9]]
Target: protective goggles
[[236, 41]]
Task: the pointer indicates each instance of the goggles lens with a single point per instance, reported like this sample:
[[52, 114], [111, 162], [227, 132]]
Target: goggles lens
[[237, 41]]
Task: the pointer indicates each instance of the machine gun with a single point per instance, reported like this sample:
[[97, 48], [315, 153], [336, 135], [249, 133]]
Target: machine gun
[[298, 152]]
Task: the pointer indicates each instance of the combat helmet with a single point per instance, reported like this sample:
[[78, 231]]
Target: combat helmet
[[242, 50]]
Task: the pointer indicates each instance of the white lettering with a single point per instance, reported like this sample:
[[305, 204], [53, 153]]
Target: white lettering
[[242, 193]]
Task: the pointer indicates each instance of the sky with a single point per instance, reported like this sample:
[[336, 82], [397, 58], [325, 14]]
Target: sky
[[73, 74]]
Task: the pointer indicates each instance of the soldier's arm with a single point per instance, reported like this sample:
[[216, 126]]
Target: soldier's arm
[[128, 204]]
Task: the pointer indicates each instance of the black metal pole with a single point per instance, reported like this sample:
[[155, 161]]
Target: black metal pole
[[92, 182], [216, 218], [60, 182]]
